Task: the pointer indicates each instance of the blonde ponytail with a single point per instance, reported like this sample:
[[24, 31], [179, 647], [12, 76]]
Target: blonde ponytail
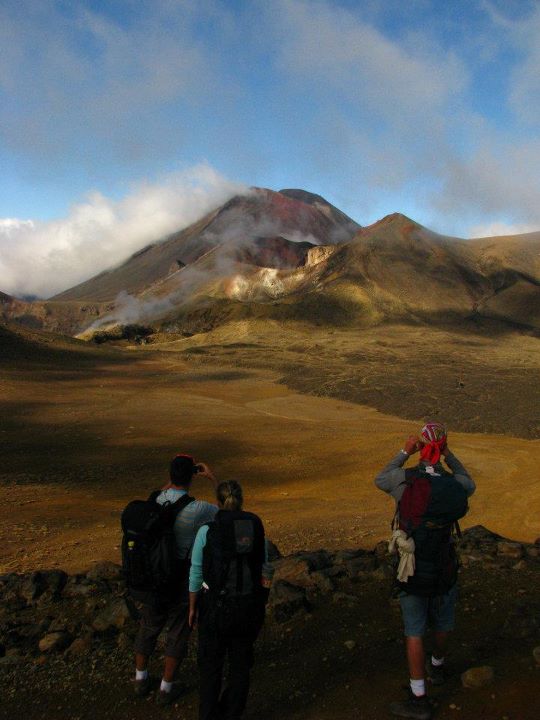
[[229, 495]]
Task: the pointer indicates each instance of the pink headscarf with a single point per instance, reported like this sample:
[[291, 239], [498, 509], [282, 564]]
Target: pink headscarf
[[433, 435]]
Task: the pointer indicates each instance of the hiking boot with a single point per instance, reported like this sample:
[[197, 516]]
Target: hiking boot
[[142, 687], [168, 698], [415, 707], [436, 674]]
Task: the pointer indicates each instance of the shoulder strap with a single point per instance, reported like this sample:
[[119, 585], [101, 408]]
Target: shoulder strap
[[182, 503]]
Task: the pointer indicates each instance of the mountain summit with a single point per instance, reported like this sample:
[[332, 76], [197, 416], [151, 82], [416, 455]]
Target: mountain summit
[[292, 256], [241, 221]]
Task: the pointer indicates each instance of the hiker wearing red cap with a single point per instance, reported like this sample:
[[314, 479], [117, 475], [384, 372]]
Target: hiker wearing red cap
[[156, 553], [429, 502]]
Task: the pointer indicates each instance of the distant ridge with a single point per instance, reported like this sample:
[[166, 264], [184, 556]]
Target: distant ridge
[[290, 256]]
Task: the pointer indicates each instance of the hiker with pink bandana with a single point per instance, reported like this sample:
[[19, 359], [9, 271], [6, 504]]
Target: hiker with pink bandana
[[429, 501]]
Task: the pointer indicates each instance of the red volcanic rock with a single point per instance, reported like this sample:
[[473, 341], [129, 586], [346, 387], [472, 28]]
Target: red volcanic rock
[[274, 252]]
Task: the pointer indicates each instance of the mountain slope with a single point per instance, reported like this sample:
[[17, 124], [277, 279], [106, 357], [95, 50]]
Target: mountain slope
[[274, 256], [242, 220]]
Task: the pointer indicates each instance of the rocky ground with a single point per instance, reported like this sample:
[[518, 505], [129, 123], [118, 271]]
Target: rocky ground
[[332, 646]]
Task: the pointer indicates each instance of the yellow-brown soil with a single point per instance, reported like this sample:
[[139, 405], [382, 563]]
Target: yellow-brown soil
[[83, 435]]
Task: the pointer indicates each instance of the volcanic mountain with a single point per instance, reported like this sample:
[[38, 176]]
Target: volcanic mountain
[[292, 256], [394, 270], [243, 223]]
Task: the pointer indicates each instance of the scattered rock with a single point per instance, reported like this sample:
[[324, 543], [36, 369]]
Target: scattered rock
[[104, 570], [300, 569], [478, 677], [55, 581], [286, 600], [361, 565], [32, 587], [350, 644], [76, 587], [536, 654], [383, 572], [510, 550], [79, 646], [53, 642], [113, 616], [273, 551], [344, 556], [10, 660], [322, 581]]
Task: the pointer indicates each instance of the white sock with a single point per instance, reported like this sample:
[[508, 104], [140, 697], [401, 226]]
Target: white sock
[[166, 686], [418, 687], [141, 674], [437, 662]]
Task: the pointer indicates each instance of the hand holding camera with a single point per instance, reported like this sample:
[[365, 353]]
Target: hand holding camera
[[202, 470], [412, 444]]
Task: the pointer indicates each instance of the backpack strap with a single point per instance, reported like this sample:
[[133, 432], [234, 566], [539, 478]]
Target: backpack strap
[[409, 479], [177, 505], [182, 503]]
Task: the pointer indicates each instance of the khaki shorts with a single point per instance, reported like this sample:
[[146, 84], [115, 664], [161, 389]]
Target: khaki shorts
[[168, 615]]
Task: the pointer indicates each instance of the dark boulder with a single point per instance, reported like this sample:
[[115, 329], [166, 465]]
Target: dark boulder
[[286, 600]]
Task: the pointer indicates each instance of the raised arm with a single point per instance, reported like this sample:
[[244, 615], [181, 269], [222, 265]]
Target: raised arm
[[391, 479], [204, 471], [460, 473]]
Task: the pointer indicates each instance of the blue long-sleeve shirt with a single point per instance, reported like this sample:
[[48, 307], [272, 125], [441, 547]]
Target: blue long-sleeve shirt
[[196, 571]]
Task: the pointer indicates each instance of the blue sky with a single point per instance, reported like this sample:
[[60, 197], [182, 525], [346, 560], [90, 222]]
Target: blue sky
[[427, 108]]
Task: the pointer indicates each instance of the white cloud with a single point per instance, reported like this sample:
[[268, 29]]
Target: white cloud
[[495, 229], [520, 34], [11, 225], [336, 48], [73, 77], [44, 258], [499, 178]]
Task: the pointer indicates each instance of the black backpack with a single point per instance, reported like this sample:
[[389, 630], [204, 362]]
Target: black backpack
[[428, 511], [150, 561], [233, 558]]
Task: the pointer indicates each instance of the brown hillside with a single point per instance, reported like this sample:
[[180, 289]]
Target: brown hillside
[[243, 219]]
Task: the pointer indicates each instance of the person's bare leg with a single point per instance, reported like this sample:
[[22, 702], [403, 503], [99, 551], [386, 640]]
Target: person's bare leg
[[415, 657], [440, 645], [141, 662], [417, 705], [171, 666], [142, 679]]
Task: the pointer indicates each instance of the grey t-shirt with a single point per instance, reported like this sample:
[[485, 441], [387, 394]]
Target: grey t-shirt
[[391, 479], [189, 520]]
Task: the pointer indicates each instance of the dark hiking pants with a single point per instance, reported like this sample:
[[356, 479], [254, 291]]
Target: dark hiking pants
[[169, 614], [215, 645]]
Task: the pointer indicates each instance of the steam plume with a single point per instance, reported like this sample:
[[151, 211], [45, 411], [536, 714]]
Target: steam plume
[[44, 258]]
